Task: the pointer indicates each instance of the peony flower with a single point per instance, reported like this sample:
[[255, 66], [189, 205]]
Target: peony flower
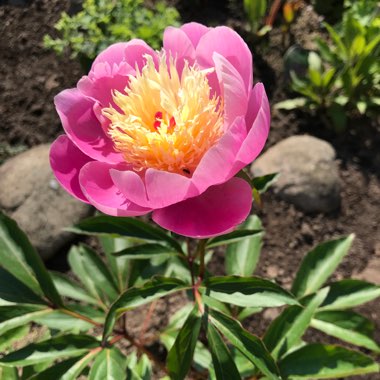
[[165, 132]]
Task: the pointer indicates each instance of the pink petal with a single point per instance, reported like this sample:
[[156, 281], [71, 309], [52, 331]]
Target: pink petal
[[216, 165], [113, 54], [178, 45], [218, 210], [135, 51], [67, 160], [155, 188], [258, 131], [82, 126], [194, 31], [99, 189], [232, 89], [101, 86], [231, 46]]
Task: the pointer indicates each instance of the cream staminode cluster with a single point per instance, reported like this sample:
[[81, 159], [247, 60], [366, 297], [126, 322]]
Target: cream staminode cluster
[[166, 120]]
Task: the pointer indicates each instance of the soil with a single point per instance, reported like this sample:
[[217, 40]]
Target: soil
[[30, 76]]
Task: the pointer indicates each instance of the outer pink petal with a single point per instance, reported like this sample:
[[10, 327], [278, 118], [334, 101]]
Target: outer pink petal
[[230, 45], [178, 45], [232, 89], [67, 160], [258, 131], [218, 210], [216, 165], [135, 51], [194, 31], [113, 54], [157, 189], [99, 189], [82, 126], [101, 85]]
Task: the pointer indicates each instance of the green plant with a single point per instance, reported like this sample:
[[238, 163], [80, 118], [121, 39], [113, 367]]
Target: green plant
[[343, 75], [84, 316], [255, 11], [104, 22]]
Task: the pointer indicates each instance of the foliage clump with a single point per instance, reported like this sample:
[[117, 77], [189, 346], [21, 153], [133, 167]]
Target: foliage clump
[[343, 77], [102, 22]]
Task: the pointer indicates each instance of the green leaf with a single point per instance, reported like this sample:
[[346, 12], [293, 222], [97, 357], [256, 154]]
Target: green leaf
[[338, 41], [288, 328], [119, 266], [130, 227], [180, 355], [225, 368], [108, 365], [51, 349], [157, 287], [338, 116], [230, 238], [263, 183], [68, 288], [249, 345], [93, 273], [18, 257], [347, 294], [144, 368], [146, 251], [56, 371], [13, 290], [242, 257], [18, 315], [248, 291], [347, 326], [12, 336], [318, 361], [8, 373], [247, 312], [80, 365], [291, 104], [319, 264]]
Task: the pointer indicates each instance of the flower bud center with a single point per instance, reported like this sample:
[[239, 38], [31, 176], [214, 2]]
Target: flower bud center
[[165, 120]]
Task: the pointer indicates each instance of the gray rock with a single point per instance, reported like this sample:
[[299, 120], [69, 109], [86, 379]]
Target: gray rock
[[30, 194], [308, 173]]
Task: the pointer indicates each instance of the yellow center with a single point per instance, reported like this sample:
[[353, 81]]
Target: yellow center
[[165, 121]]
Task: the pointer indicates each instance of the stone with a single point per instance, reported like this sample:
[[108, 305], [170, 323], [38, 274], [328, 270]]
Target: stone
[[309, 176], [372, 272], [30, 194]]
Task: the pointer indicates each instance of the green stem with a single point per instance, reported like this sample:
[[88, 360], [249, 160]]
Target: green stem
[[201, 250]]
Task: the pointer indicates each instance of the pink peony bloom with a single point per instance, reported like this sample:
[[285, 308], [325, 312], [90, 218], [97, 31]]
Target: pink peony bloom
[[165, 132]]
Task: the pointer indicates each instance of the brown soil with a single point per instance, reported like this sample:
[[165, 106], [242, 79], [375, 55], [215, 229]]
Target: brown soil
[[30, 77]]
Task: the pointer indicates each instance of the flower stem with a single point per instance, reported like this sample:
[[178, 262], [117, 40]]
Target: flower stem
[[201, 250], [80, 316]]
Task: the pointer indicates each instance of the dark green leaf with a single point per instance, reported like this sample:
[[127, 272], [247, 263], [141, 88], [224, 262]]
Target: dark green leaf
[[130, 227], [56, 370], [263, 183], [224, 366], [13, 290], [249, 345], [20, 258], [319, 264], [51, 349], [242, 257], [146, 251], [248, 291], [108, 365], [156, 288], [17, 315], [288, 328], [232, 237], [68, 288], [93, 273], [347, 294], [318, 361], [347, 326], [74, 372], [180, 355]]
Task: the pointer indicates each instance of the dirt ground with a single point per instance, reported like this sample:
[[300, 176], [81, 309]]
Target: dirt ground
[[30, 76]]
